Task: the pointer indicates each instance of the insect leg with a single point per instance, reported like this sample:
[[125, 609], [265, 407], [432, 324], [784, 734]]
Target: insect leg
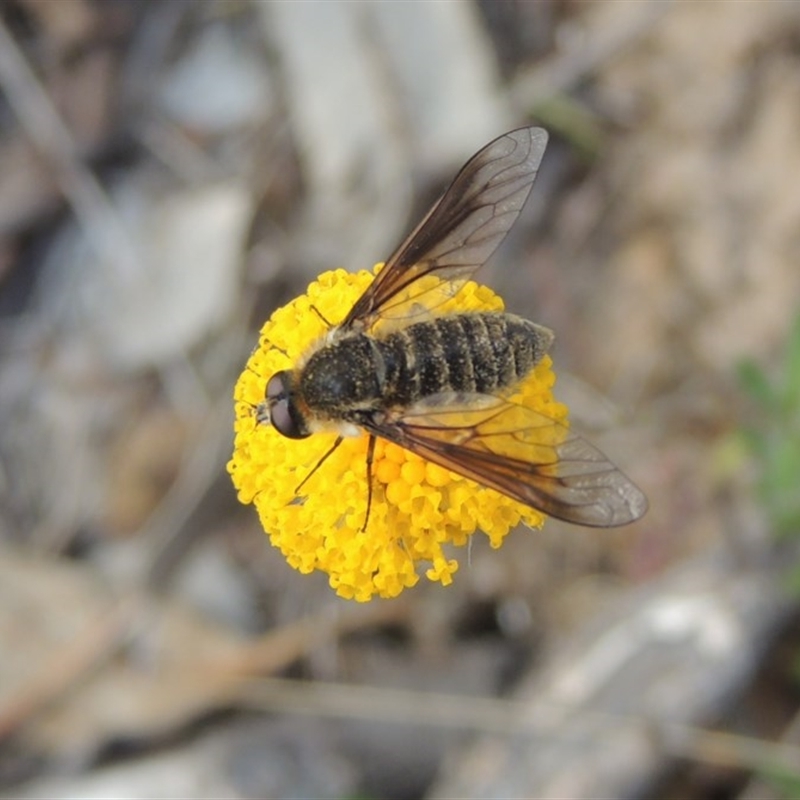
[[274, 347], [319, 463], [370, 457], [321, 316]]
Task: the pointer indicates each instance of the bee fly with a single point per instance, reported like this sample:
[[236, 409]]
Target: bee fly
[[439, 385]]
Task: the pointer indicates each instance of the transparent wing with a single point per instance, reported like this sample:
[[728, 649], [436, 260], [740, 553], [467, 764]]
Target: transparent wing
[[520, 453], [459, 233]]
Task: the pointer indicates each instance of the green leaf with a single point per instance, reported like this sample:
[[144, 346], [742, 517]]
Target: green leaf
[[784, 781], [756, 384], [791, 392]]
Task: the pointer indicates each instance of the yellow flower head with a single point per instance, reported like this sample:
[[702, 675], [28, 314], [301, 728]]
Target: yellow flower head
[[419, 510]]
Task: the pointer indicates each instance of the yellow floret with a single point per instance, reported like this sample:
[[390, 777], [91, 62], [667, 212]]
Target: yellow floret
[[419, 510]]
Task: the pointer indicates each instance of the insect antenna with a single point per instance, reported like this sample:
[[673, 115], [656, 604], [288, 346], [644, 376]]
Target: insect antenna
[[254, 407]]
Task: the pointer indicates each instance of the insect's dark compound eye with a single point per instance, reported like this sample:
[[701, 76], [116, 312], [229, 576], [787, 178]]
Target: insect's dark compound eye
[[278, 386], [283, 412]]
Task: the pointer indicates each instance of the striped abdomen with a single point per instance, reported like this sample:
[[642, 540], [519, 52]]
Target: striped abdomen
[[357, 374], [480, 352]]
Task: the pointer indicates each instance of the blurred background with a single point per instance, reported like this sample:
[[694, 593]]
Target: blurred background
[[172, 172]]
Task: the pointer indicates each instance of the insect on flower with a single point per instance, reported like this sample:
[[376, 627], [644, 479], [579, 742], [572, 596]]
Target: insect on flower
[[442, 384]]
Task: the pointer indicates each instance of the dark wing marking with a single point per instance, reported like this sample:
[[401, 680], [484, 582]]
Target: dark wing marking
[[520, 453], [460, 232]]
